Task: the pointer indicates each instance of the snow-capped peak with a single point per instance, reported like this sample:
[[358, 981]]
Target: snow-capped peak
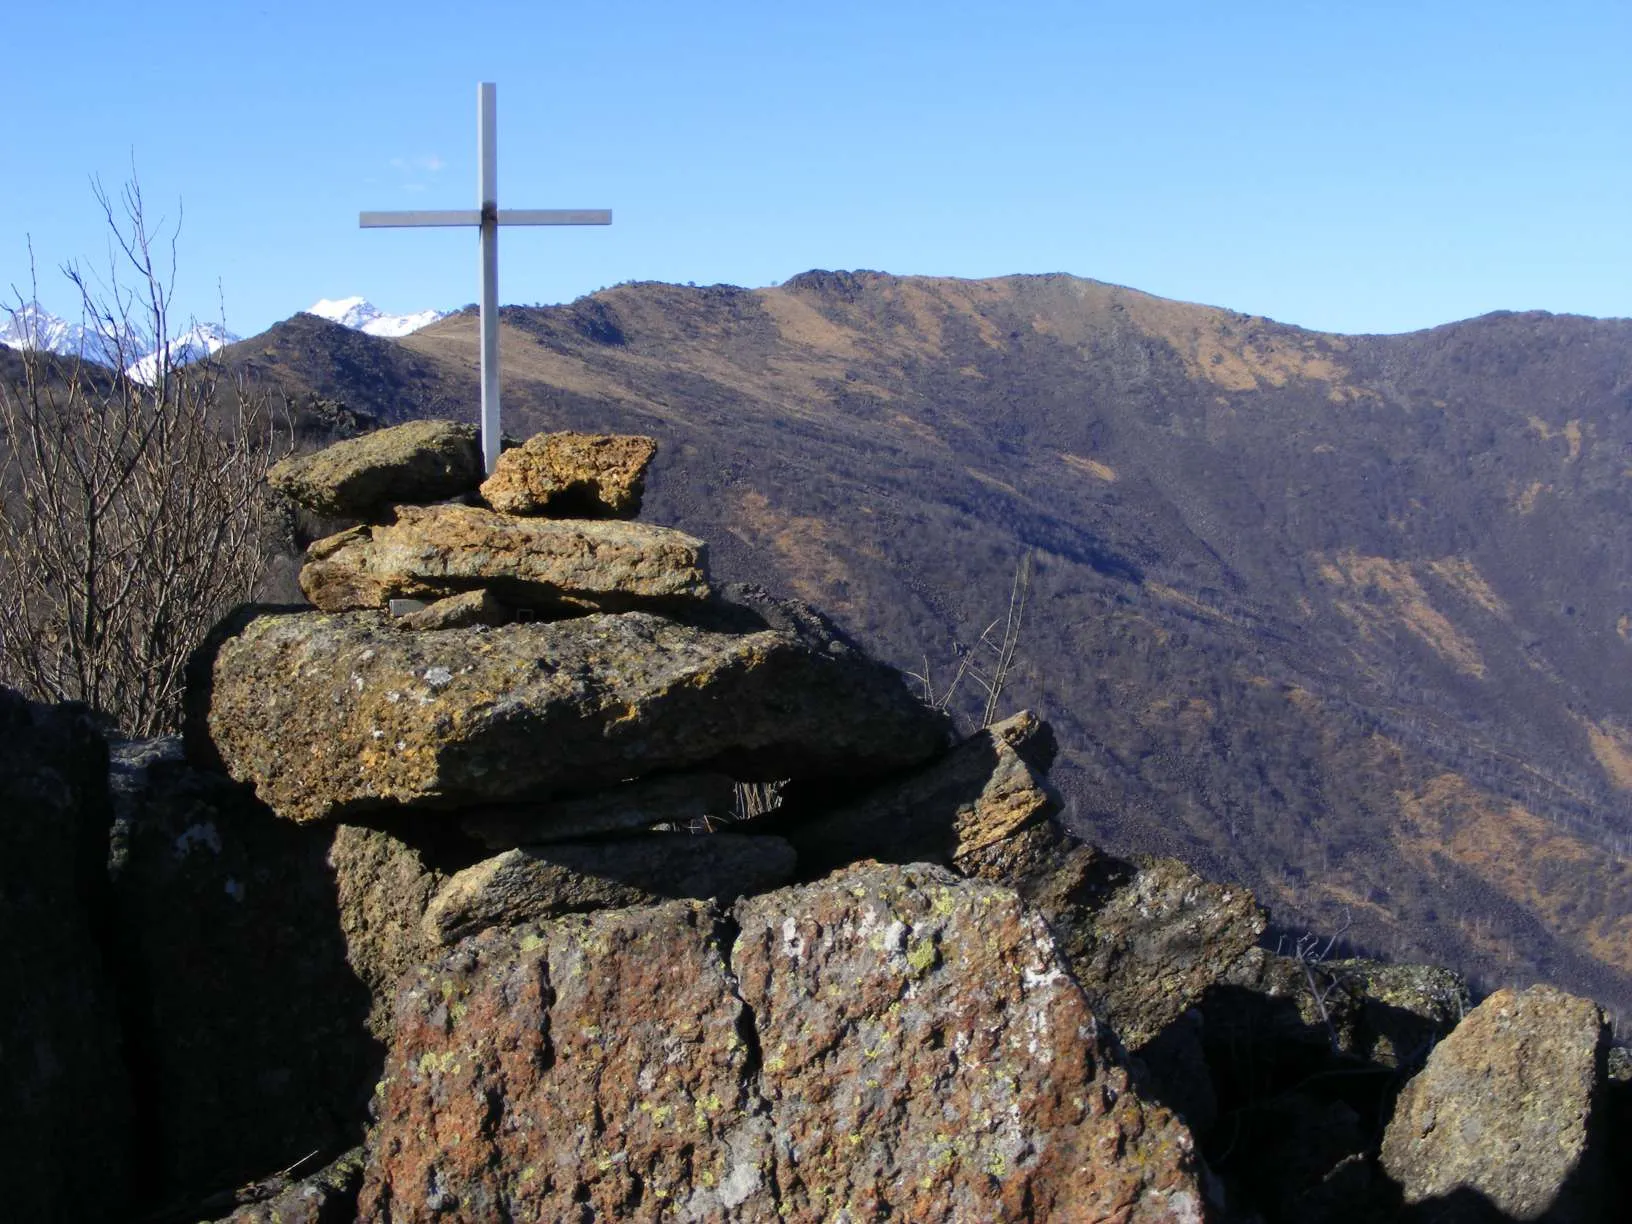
[[31, 326], [195, 343], [359, 314]]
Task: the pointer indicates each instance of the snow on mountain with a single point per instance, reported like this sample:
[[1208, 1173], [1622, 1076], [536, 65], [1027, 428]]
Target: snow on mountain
[[359, 314], [34, 327], [196, 342]]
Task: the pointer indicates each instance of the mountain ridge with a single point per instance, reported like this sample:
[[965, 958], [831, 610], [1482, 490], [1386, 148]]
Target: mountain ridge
[[1332, 615]]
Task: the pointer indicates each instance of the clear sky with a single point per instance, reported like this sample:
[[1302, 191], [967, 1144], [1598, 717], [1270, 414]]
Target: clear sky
[[1367, 166]]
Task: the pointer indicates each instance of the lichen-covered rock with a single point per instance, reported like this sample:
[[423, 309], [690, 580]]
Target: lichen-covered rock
[[241, 1012], [330, 714], [927, 1056], [458, 612], [421, 461], [592, 1067], [1506, 1110], [534, 882], [571, 475], [911, 1046], [431, 552], [65, 1103], [683, 799], [382, 889]]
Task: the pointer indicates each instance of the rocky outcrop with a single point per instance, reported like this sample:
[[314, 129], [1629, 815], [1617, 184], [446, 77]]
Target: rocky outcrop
[[1145, 942], [640, 1064], [1505, 1114], [65, 1101], [333, 714], [421, 461], [571, 475], [535, 882], [431, 552]]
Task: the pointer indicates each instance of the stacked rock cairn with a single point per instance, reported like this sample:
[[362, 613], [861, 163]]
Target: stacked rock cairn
[[565, 694]]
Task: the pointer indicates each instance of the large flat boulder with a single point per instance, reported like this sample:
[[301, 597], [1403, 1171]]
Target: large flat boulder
[[571, 475], [333, 714], [892, 1042], [421, 461], [65, 1101], [1504, 1116], [431, 552]]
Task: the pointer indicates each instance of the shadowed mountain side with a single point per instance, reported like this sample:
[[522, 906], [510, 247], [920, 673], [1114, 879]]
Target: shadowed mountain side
[[1346, 618]]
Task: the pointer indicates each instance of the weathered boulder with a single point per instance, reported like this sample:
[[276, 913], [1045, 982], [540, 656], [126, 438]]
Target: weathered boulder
[[65, 1102], [382, 889], [431, 552], [464, 611], [871, 985], [534, 882], [683, 799], [244, 1023], [571, 475], [1505, 1113], [421, 461], [331, 714], [905, 1044]]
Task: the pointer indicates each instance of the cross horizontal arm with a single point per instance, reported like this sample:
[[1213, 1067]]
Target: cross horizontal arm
[[456, 216], [470, 216], [555, 216]]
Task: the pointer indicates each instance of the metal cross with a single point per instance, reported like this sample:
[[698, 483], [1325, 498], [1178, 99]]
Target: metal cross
[[488, 219]]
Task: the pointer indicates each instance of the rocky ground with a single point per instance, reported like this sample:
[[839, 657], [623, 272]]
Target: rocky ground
[[534, 877]]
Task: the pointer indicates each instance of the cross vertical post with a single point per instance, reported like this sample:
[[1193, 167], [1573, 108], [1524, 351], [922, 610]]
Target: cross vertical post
[[487, 139], [487, 219]]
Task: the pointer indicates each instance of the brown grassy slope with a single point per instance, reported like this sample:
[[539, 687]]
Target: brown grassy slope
[[1343, 617]]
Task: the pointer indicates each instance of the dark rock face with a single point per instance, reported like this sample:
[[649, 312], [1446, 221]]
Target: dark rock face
[[330, 714], [1507, 1113], [65, 1103], [245, 1022], [422, 461], [608, 1063]]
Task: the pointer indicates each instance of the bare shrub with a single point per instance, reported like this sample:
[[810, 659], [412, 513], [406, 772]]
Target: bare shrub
[[134, 510], [989, 662]]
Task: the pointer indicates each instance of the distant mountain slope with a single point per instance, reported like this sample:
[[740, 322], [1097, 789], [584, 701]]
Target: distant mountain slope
[[1346, 618]]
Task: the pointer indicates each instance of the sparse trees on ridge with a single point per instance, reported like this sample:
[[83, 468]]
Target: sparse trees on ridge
[[133, 510]]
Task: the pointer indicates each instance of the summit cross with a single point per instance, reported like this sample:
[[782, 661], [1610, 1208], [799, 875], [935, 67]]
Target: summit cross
[[487, 219]]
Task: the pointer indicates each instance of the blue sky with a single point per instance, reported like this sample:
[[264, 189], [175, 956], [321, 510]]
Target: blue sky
[[1351, 167]]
